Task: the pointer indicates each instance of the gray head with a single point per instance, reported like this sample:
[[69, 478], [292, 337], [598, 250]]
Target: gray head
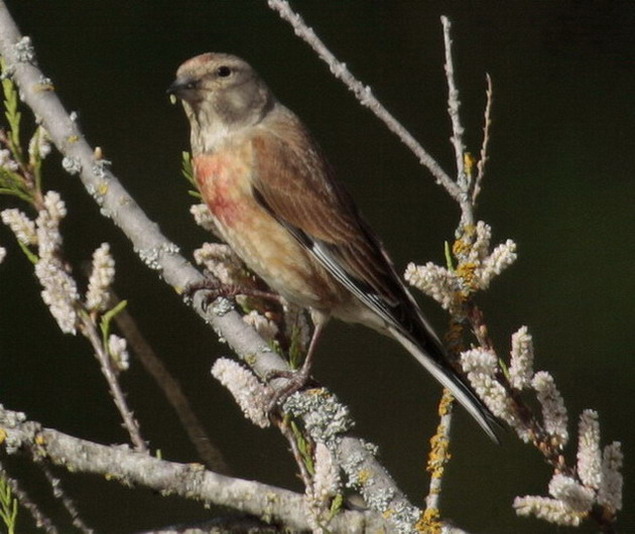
[[221, 93]]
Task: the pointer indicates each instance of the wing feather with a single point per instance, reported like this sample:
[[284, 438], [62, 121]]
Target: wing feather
[[295, 184]]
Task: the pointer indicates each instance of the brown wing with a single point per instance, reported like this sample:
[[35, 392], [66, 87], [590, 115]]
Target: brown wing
[[294, 182]]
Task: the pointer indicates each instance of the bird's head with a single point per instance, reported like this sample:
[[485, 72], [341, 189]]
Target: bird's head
[[221, 93]]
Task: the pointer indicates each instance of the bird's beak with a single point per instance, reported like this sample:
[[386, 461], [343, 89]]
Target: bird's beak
[[183, 88]]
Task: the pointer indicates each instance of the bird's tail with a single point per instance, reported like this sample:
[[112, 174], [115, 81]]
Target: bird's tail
[[434, 360]]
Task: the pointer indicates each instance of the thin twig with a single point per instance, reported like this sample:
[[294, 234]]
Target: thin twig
[[39, 517], [541, 440], [439, 454], [58, 492], [287, 432], [364, 95], [463, 179], [454, 105], [130, 423], [209, 454], [484, 156]]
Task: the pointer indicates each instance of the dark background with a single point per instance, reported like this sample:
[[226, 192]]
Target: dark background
[[560, 183]]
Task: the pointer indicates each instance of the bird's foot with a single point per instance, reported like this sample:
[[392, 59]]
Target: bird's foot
[[295, 381], [217, 289]]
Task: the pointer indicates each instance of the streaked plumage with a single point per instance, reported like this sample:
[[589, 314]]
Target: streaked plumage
[[277, 204]]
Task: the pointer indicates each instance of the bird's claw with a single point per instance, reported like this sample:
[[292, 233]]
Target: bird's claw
[[217, 289], [214, 288], [295, 381]]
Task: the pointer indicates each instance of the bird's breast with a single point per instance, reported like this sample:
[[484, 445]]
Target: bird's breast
[[266, 246], [223, 180]]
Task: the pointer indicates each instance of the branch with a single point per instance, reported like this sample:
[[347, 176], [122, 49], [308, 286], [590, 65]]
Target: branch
[[453, 106], [130, 422], [190, 481], [484, 156], [438, 459]]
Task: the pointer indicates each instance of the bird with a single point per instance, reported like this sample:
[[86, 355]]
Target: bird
[[276, 202]]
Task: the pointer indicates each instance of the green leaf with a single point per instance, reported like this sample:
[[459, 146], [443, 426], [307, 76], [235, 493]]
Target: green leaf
[[187, 169], [16, 193], [304, 447], [32, 256], [12, 183], [12, 114], [107, 317], [448, 256], [297, 351], [336, 505], [188, 172], [9, 178], [8, 506]]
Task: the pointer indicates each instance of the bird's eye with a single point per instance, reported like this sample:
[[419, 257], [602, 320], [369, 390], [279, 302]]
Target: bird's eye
[[223, 71]]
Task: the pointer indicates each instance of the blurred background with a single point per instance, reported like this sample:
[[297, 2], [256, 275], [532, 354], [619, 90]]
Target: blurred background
[[560, 184]]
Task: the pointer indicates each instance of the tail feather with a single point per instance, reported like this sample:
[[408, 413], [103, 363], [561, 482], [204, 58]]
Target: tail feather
[[440, 370]]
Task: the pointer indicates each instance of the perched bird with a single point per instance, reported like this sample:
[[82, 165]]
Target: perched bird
[[276, 202]]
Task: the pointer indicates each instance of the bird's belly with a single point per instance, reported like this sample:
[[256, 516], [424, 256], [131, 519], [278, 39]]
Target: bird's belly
[[274, 255], [261, 241]]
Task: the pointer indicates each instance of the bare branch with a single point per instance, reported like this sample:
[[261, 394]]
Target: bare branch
[[484, 156], [105, 363], [453, 108], [67, 501], [190, 481], [40, 518]]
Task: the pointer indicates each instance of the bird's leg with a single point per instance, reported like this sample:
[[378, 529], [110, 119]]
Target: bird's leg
[[296, 380]]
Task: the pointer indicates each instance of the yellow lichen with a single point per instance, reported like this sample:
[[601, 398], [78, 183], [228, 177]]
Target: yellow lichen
[[430, 522], [364, 476], [460, 248], [466, 271], [102, 188], [439, 453], [445, 405], [469, 163]]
